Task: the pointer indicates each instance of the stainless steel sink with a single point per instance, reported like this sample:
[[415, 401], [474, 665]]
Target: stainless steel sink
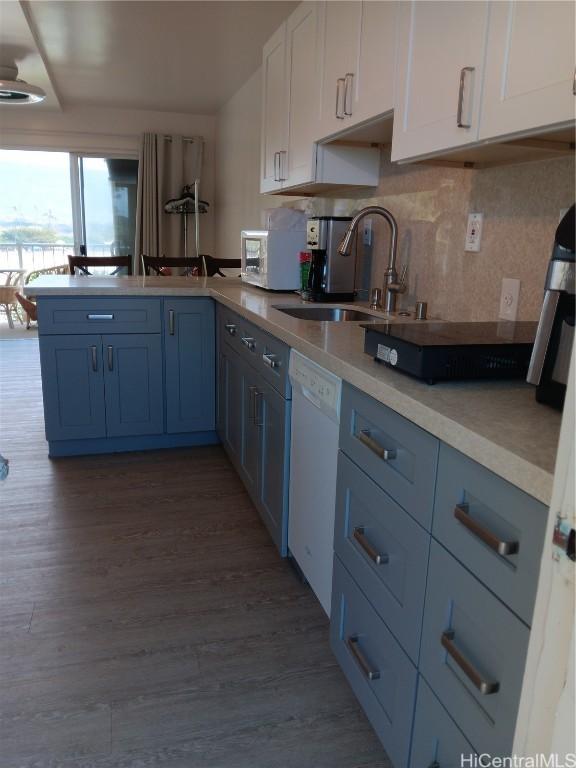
[[331, 314]]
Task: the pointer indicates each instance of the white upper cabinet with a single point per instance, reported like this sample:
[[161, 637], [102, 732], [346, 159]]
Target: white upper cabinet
[[303, 78], [529, 76], [358, 41], [274, 108], [440, 61]]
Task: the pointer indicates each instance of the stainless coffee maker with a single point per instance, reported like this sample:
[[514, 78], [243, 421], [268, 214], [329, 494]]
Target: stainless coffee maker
[[331, 276], [555, 335]]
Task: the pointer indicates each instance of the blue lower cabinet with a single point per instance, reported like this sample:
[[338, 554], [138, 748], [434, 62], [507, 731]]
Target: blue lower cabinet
[[436, 739], [473, 654], [272, 417], [385, 550], [73, 387], [190, 364], [133, 384], [380, 673]]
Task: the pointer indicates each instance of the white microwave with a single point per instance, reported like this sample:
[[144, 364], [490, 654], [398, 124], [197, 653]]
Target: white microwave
[[271, 258]]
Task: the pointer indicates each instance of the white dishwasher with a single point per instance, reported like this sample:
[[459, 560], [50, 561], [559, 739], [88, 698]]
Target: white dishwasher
[[313, 462]]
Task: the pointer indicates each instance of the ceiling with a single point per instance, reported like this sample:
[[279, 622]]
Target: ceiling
[[185, 56]]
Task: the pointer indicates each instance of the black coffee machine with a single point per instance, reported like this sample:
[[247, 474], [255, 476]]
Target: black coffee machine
[[555, 335], [331, 276]]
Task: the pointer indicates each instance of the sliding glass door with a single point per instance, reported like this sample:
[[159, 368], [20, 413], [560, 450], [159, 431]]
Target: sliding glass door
[[104, 189]]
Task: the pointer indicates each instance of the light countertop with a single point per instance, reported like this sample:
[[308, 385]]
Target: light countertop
[[496, 423]]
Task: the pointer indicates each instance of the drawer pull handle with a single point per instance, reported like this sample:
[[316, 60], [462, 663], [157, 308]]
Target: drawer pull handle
[[353, 646], [100, 317], [375, 556], [386, 454], [486, 687], [231, 328], [110, 358], [249, 342], [501, 547], [171, 322], [270, 360], [94, 353]]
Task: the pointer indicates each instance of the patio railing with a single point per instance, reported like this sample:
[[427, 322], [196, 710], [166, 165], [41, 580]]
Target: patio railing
[[32, 256]]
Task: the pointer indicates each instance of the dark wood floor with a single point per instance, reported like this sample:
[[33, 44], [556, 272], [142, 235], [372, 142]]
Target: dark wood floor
[[146, 618]]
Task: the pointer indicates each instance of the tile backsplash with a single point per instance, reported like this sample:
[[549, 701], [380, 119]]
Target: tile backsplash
[[521, 206]]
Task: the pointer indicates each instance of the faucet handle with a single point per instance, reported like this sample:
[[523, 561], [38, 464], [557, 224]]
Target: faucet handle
[[400, 285]]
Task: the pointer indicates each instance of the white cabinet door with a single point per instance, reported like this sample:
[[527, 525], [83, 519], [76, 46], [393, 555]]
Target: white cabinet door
[[339, 41], [298, 164], [529, 77], [274, 110], [440, 61], [373, 74]]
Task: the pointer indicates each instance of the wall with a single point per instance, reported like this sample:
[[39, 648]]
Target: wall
[[113, 131], [521, 206], [239, 203]]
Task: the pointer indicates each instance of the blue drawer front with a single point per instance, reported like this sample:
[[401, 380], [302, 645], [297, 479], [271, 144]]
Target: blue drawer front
[[488, 637], [357, 632], [408, 473], [369, 526], [93, 314], [472, 502], [436, 738]]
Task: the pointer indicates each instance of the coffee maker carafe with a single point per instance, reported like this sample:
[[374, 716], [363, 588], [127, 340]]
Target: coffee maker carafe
[[555, 335], [331, 276]]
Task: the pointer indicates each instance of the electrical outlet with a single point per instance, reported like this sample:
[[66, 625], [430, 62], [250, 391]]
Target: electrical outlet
[[474, 232], [367, 232], [509, 298]]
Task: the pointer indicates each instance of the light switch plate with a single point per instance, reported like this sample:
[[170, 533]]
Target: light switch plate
[[474, 232], [509, 298]]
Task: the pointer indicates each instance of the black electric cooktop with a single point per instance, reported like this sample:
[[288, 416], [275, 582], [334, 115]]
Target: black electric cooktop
[[443, 351]]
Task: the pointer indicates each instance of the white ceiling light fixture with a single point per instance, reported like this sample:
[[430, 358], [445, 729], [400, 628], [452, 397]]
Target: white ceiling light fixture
[[15, 91]]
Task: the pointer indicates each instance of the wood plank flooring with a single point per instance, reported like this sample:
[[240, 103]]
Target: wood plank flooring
[[146, 619]]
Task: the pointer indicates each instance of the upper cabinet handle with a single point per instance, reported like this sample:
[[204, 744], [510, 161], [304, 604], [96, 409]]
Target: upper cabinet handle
[[462, 514], [276, 166], [171, 322], [459, 122], [282, 165], [574, 83], [348, 80], [386, 454], [340, 83], [486, 687]]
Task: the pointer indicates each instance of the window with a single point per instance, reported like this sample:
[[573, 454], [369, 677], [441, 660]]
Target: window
[[55, 203]]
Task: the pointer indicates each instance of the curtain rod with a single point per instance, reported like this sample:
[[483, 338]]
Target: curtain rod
[[187, 139]]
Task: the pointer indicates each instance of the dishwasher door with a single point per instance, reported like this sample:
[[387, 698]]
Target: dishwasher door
[[313, 464]]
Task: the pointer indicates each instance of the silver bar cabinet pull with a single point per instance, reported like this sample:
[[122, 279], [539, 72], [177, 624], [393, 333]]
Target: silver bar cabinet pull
[[463, 72], [574, 83], [110, 357], [276, 166], [386, 454], [339, 87], [270, 359], [231, 328], [348, 80], [360, 536], [100, 317], [94, 354], [353, 646], [462, 514], [248, 341], [171, 322], [486, 687]]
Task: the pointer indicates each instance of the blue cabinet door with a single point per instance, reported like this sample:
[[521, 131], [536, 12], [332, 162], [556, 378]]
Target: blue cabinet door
[[133, 384], [272, 415], [72, 387], [190, 365]]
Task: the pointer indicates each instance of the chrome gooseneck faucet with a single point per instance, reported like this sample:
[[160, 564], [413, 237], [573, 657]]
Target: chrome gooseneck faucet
[[392, 287]]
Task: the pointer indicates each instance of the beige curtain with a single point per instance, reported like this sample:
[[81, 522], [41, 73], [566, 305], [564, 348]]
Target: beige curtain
[[166, 164]]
